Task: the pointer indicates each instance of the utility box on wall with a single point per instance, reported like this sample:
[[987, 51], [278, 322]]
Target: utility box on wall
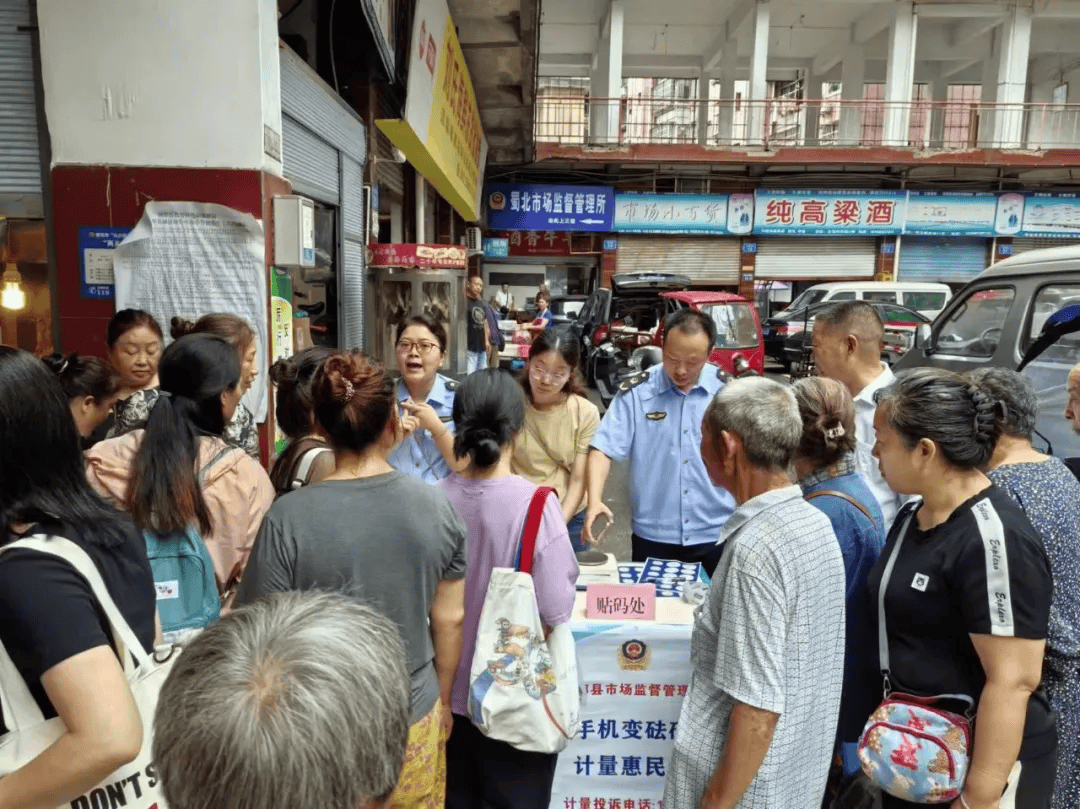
[[294, 231]]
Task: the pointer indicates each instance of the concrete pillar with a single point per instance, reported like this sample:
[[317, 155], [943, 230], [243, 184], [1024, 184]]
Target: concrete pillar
[[1012, 77], [759, 58], [991, 66], [812, 94], [852, 80], [605, 79], [900, 75], [939, 96], [703, 111], [725, 118]]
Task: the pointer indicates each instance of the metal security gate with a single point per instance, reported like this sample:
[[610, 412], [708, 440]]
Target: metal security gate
[[818, 258], [706, 260], [940, 258], [1027, 243], [20, 154], [324, 146]]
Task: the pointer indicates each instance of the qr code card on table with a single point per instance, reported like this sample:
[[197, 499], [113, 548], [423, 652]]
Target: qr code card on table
[[629, 573]]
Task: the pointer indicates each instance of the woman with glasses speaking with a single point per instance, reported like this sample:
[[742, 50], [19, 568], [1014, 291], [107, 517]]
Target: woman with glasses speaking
[[427, 402], [559, 426]]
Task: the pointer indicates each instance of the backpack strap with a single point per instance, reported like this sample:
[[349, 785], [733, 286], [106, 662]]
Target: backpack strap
[[220, 456], [842, 496], [303, 466], [532, 528]]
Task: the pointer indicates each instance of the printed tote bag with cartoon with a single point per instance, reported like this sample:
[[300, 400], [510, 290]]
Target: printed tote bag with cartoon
[[523, 688], [135, 785]]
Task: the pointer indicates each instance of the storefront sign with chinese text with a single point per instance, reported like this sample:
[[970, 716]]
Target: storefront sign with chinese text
[[441, 134], [423, 256], [931, 213], [550, 207], [621, 602], [684, 213], [829, 213], [523, 243], [1051, 215], [496, 248]]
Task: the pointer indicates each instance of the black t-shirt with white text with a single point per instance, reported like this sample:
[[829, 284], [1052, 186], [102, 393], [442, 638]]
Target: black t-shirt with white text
[[981, 572]]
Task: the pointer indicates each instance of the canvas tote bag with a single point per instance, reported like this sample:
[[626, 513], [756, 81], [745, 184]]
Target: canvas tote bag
[[135, 785], [523, 688]]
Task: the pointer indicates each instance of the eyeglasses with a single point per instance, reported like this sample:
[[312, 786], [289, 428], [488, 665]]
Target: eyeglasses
[[424, 349], [543, 375]]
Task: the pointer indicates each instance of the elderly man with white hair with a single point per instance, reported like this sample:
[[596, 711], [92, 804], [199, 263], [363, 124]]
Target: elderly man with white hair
[[298, 700], [758, 723]]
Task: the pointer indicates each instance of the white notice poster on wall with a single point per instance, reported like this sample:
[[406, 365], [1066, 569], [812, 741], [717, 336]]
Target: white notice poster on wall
[[190, 259]]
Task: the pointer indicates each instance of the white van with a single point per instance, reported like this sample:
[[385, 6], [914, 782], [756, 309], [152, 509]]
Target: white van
[[924, 297]]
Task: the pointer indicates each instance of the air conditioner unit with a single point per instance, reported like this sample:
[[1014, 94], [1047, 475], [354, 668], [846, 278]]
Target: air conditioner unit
[[474, 243]]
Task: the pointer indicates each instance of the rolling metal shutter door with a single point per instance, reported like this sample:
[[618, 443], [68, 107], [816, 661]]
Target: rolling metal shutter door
[[324, 146], [939, 258], [20, 156], [309, 162], [707, 260], [351, 284], [1039, 243], [818, 257]]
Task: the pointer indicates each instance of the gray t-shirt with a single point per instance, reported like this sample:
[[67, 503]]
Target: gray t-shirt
[[387, 540]]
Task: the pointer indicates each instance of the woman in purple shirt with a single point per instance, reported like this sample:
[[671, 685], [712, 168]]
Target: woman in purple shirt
[[489, 410]]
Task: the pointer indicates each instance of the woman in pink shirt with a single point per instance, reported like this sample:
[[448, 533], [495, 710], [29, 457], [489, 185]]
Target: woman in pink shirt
[[489, 410]]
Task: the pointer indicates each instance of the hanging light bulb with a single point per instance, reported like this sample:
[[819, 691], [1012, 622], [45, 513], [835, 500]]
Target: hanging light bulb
[[13, 295]]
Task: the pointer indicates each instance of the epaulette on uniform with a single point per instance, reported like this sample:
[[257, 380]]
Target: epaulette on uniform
[[722, 375], [632, 382], [451, 385]]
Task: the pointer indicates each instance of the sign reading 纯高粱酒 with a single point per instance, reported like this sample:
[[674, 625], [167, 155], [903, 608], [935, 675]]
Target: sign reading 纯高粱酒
[[829, 213]]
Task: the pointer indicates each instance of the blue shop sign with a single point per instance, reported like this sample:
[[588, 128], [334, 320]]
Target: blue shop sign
[[496, 248], [521, 206], [96, 249]]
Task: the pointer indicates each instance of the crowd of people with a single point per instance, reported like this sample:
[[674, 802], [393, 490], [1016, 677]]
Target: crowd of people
[[350, 579]]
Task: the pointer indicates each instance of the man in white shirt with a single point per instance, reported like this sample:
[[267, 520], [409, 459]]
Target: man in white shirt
[[847, 348], [504, 301]]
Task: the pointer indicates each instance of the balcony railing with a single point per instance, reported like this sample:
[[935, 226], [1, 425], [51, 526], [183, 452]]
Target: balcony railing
[[778, 123]]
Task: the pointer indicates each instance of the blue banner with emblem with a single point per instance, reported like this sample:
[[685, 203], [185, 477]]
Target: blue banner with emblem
[[523, 206]]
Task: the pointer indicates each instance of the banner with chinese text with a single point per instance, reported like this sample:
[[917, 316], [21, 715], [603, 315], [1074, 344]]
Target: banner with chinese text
[[520, 206], [829, 213], [636, 676], [1051, 215], [441, 134], [684, 213], [947, 213]]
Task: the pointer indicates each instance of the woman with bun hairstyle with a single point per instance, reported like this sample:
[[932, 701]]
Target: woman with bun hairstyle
[[826, 471], [427, 452], [489, 412], [179, 471], [241, 429], [559, 426], [307, 458], [51, 627], [1049, 494], [135, 341], [91, 385], [968, 600], [384, 537]]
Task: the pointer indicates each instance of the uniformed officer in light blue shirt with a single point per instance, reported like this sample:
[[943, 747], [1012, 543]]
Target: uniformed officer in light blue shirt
[[655, 422], [427, 401]]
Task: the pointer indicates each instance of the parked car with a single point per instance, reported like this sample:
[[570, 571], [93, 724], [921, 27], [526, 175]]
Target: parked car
[[925, 297], [996, 318], [901, 325], [566, 308], [614, 321]]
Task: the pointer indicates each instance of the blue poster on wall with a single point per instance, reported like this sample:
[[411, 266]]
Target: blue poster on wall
[[520, 206], [96, 247]]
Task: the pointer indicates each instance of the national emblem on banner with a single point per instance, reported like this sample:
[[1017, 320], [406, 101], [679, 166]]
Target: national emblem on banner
[[634, 655]]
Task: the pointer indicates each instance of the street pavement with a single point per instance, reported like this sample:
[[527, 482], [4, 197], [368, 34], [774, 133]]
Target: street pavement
[[616, 495]]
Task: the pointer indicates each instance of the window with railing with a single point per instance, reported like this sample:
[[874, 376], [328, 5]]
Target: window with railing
[[562, 109]]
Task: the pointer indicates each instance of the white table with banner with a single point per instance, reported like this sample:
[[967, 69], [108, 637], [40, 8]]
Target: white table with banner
[[636, 675]]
